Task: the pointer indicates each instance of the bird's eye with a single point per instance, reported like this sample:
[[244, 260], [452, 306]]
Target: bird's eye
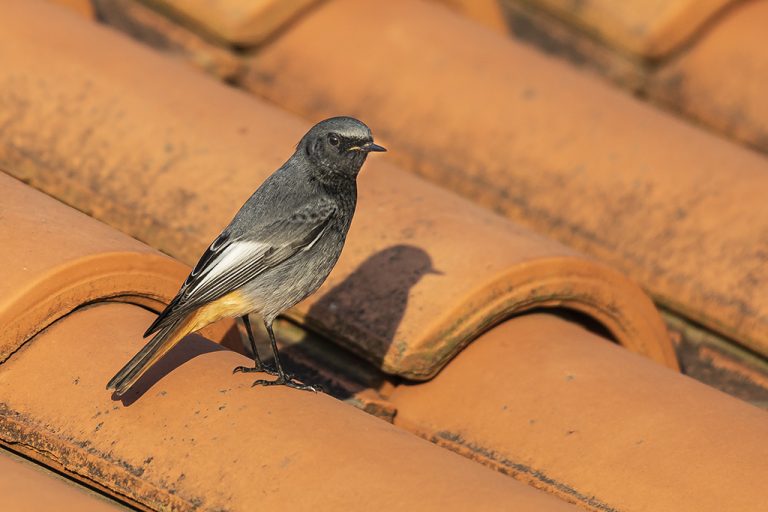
[[333, 139]]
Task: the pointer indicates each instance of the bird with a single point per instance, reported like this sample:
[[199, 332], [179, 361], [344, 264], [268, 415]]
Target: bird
[[278, 249]]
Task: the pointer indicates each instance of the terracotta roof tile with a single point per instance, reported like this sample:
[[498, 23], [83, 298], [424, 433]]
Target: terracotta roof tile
[[28, 488], [148, 25], [200, 438], [55, 259], [713, 74], [720, 80], [529, 24], [237, 22], [648, 29], [582, 162], [171, 169], [548, 402]]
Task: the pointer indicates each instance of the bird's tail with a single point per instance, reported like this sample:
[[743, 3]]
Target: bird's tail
[[158, 346]]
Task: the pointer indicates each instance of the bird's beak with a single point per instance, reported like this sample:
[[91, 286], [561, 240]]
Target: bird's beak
[[368, 148], [373, 147]]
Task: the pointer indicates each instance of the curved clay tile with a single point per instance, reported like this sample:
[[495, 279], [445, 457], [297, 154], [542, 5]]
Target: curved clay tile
[[27, 488], [236, 22], [681, 211], [170, 165], [147, 24], [55, 259], [650, 29], [621, 434], [720, 79], [201, 438]]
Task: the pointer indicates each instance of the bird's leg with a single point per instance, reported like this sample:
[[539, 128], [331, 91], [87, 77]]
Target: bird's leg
[[282, 377], [258, 365]]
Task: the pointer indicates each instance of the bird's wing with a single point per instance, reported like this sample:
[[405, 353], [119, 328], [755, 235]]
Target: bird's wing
[[231, 261]]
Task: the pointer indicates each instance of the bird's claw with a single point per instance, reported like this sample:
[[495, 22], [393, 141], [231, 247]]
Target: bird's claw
[[255, 369], [288, 381]]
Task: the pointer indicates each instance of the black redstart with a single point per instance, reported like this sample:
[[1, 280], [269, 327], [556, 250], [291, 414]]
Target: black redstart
[[278, 249]]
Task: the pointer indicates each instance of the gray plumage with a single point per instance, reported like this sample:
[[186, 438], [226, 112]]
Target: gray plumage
[[278, 249]]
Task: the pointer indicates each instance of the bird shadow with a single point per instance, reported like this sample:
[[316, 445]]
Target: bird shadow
[[364, 311]]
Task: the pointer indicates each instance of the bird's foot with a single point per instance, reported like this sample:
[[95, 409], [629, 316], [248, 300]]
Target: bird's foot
[[289, 381], [255, 369]]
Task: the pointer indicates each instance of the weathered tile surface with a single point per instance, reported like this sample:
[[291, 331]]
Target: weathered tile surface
[[55, 259], [720, 80], [155, 28], [192, 436], [236, 22], [648, 28], [550, 403]]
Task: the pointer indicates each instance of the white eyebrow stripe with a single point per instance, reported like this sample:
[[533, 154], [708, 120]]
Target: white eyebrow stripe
[[231, 258]]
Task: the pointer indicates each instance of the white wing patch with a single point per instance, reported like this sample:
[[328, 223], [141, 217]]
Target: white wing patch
[[313, 242], [231, 258]]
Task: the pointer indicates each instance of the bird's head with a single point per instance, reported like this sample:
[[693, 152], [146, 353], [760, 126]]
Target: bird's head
[[338, 145]]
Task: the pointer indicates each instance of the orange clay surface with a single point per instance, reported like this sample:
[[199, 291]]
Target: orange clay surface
[[191, 435]]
